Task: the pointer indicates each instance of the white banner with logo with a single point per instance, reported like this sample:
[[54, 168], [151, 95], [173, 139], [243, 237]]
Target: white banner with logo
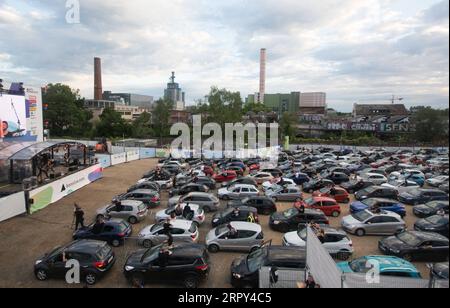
[[119, 158], [55, 191], [133, 155], [12, 205]]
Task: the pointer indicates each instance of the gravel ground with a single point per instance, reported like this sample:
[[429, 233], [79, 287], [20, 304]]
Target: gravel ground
[[24, 239]]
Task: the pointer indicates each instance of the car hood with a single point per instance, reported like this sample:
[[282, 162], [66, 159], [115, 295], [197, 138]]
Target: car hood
[[135, 258], [423, 224], [278, 216], [146, 231], [344, 267], [223, 191], [393, 242], [174, 200], [358, 206], [406, 195], [234, 203], [423, 209], [293, 239], [349, 221]]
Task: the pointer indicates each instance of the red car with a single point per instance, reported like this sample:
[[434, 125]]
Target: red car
[[254, 167], [209, 171], [225, 176], [337, 193], [327, 205]]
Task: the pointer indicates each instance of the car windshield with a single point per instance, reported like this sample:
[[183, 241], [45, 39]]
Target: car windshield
[[227, 212], [325, 190], [409, 239], [362, 216], [290, 213], [244, 201], [157, 226], [435, 205], [309, 201], [303, 234], [103, 252], [415, 193], [221, 230], [123, 226], [369, 202], [150, 255], [368, 190], [437, 220], [256, 259], [142, 207], [359, 266]]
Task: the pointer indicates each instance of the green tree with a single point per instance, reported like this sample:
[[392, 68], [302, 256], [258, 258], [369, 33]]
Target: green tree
[[288, 125], [142, 126], [65, 114], [224, 106], [161, 117], [256, 108], [112, 125], [431, 125]]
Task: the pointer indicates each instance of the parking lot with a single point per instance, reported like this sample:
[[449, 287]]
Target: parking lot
[[24, 239]]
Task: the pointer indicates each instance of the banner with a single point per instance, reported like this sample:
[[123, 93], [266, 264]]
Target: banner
[[55, 191], [147, 153], [162, 153], [12, 206], [132, 155], [104, 160], [119, 158]]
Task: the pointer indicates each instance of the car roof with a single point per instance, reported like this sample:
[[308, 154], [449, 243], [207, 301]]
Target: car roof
[[429, 236], [130, 203], [324, 199], [286, 253], [182, 224], [199, 194], [391, 262], [188, 250], [244, 185], [143, 191], [384, 200], [241, 225], [86, 246]]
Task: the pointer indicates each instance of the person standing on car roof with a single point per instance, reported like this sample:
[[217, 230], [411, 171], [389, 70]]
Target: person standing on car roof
[[79, 216]]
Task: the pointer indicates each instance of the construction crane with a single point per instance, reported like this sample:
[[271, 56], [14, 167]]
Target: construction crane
[[396, 98]]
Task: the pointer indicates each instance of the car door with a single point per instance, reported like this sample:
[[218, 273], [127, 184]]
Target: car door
[[440, 250], [390, 225], [106, 234], [57, 266], [374, 225], [330, 243], [245, 240]]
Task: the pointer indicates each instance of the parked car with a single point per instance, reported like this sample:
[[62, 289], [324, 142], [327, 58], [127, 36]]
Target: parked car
[[430, 209], [420, 246], [338, 178], [337, 243], [149, 197], [263, 204], [145, 185], [182, 231], [421, 196], [188, 188], [327, 205], [207, 202], [163, 182], [207, 181], [444, 188], [290, 219], [130, 210], [356, 185], [225, 176], [377, 179], [96, 258], [290, 194], [197, 215], [337, 193], [245, 269], [299, 178], [377, 192], [437, 224], [113, 231], [275, 172], [242, 180], [262, 177], [377, 204], [240, 213], [186, 265], [237, 191], [440, 271], [402, 186], [316, 185], [388, 266], [368, 223], [278, 183], [243, 236]]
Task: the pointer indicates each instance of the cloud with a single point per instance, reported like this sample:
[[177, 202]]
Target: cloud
[[351, 49]]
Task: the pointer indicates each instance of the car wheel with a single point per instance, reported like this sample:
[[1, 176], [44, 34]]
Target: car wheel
[[213, 248], [407, 257], [115, 243], [335, 214], [90, 279], [41, 275], [132, 220], [147, 244], [360, 232], [191, 282], [206, 209], [344, 255]]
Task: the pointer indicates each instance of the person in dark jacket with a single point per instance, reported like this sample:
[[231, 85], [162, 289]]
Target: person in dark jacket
[[79, 217]]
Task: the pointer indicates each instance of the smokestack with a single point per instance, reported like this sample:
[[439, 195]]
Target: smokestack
[[262, 76], [98, 87]]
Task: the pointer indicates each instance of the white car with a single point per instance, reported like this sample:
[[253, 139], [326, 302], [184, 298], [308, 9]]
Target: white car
[[194, 173], [173, 163], [437, 181], [401, 186], [198, 217], [377, 179], [273, 185], [165, 184], [238, 191], [262, 177], [183, 231], [337, 243]]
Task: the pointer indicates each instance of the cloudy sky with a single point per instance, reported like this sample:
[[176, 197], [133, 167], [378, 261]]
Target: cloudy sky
[[355, 50]]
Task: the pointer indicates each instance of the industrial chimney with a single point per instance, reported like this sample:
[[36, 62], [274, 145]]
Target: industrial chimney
[[98, 87], [262, 76]]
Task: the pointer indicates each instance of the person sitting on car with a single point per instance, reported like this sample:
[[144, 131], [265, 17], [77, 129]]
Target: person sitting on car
[[98, 226], [178, 210], [232, 234], [186, 211]]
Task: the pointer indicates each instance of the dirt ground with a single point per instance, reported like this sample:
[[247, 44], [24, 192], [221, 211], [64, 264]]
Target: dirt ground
[[25, 239]]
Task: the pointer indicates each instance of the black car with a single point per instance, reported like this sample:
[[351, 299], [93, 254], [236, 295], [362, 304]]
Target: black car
[[354, 186], [113, 231], [421, 196], [340, 170], [150, 198], [440, 271], [96, 258], [444, 187], [338, 178], [298, 177], [145, 185], [163, 176], [245, 270], [186, 264], [376, 192], [263, 204], [240, 213], [436, 224], [242, 180], [416, 246], [316, 185], [290, 219], [188, 188], [430, 208], [204, 180]]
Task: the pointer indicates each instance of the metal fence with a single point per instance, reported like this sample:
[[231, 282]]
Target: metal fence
[[287, 279], [360, 281]]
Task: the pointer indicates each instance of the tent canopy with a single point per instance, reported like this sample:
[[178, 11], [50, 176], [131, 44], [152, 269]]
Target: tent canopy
[[35, 149]]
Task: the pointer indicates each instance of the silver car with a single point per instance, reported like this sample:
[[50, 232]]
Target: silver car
[[285, 194], [198, 216], [130, 210], [207, 202], [238, 191], [182, 231], [242, 236], [366, 222]]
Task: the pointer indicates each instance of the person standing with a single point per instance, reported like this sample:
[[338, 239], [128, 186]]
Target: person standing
[[79, 216]]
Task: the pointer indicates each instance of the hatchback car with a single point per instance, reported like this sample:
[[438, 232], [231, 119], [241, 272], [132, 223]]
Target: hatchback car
[[113, 231], [421, 196], [375, 178], [289, 194], [338, 177], [368, 223], [182, 231], [316, 185], [207, 202], [290, 219], [437, 224], [377, 192], [238, 191], [337, 193], [145, 185], [188, 188], [225, 176], [263, 204], [337, 243], [262, 177], [242, 236], [327, 205], [149, 197], [420, 246], [388, 266], [243, 180], [196, 215], [376, 204], [241, 213], [356, 185], [130, 210], [96, 258], [430, 208], [186, 265], [402, 186]]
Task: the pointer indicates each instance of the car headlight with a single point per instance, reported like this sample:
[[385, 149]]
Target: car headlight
[[276, 222], [237, 276], [129, 268], [38, 262], [395, 251], [216, 220]]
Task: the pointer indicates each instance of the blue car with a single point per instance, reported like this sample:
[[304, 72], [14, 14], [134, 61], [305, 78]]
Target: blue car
[[300, 178], [388, 266], [113, 231], [419, 180], [375, 204]]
